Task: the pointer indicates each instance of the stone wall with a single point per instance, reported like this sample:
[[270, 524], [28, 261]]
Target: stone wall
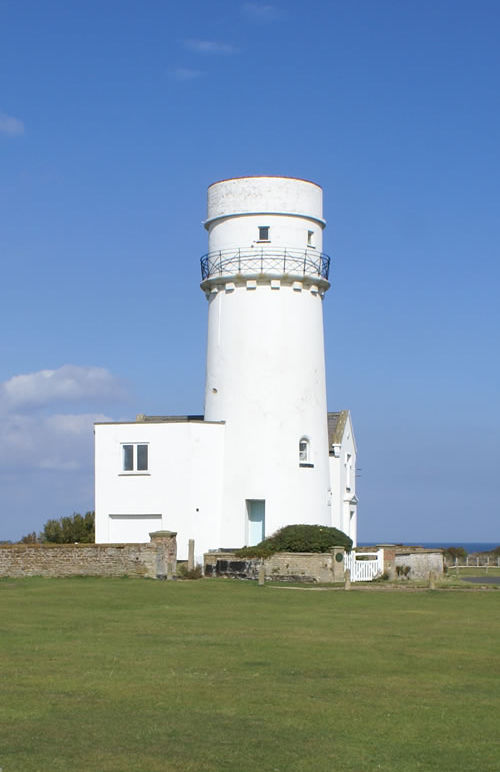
[[282, 566], [420, 563], [156, 560]]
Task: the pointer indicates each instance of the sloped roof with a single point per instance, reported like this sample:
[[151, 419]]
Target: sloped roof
[[336, 426]]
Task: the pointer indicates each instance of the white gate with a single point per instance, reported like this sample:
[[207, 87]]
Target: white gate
[[364, 566]]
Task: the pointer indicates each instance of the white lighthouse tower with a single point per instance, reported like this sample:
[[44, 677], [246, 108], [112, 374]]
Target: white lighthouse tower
[[265, 277], [266, 453]]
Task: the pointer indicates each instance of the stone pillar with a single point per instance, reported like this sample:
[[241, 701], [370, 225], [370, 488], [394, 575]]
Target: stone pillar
[[338, 564], [166, 553], [432, 580], [347, 580], [190, 554], [261, 575]]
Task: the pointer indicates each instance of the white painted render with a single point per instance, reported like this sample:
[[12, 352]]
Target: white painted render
[[183, 483], [265, 359], [343, 483], [265, 392]]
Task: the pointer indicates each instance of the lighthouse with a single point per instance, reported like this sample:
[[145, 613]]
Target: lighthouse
[[264, 453], [265, 277]]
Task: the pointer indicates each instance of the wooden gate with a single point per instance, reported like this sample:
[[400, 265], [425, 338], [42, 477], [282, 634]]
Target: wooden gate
[[364, 566]]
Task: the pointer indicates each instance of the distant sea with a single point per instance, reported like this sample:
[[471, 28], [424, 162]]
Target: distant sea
[[469, 546]]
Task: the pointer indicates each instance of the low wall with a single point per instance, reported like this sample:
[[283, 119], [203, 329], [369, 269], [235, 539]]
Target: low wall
[[282, 566], [156, 560], [420, 563]]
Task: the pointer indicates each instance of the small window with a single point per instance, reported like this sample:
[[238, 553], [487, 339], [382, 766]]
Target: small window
[[303, 451], [310, 238], [135, 457], [348, 471], [264, 233]]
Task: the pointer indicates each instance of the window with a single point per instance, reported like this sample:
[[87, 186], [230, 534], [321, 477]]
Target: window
[[348, 471], [304, 452], [135, 457], [264, 233], [310, 237]]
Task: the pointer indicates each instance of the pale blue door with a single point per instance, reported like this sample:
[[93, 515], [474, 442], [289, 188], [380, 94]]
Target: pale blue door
[[256, 509]]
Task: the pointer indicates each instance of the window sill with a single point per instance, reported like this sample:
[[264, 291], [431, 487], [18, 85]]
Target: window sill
[[263, 241], [307, 466], [134, 474]]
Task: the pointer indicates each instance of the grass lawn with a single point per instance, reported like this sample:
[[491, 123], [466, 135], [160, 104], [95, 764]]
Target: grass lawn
[[130, 674]]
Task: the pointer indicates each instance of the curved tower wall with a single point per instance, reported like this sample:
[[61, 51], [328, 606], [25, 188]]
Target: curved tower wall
[[265, 351]]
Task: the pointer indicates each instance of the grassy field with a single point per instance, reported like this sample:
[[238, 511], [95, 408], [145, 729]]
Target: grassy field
[[124, 674]]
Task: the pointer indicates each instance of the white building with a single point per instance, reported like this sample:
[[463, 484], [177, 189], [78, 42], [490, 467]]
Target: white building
[[266, 453]]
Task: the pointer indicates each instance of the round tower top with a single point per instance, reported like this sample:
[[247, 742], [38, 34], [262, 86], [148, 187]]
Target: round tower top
[[264, 195]]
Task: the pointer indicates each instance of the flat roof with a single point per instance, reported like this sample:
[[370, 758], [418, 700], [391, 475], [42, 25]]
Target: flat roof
[[266, 177]]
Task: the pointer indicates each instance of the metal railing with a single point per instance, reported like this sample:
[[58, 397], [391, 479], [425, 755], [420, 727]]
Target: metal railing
[[257, 260]]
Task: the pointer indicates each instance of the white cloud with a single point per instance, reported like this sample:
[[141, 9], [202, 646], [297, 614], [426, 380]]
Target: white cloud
[[260, 11], [36, 433], [183, 74], [60, 442], [210, 47], [68, 383], [10, 125]]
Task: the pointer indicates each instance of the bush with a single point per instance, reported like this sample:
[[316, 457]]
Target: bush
[[68, 530], [183, 572], [299, 538], [30, 538], [450, 553]]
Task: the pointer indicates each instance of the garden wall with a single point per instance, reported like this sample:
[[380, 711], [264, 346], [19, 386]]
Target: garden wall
[[156, 560], [420, 563], [282, 566]]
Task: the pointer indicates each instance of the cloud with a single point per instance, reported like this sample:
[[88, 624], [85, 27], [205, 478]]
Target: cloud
[[183, 74], [36, 433], [13, 127], [210, 47], [260, 11], [68, 383], [59, 442]]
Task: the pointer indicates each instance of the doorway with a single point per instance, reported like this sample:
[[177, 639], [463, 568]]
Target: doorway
[[256, 526]]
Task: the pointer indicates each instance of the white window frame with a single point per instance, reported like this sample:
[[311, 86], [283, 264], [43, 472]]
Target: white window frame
[[135, 470], [305, 452]]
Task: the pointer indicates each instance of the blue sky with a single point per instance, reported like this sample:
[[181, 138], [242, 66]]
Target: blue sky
[[114, 119]]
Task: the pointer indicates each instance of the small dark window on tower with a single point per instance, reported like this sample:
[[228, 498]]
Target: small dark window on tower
[[264, 233], [310, 236], [305, 452]]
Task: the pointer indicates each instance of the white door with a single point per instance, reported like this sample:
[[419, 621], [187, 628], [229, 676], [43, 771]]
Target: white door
[[132, 529], [256, 509]]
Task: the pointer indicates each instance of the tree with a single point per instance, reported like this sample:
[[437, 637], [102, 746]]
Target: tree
[[455, 553], [30, 538], [67, 530]]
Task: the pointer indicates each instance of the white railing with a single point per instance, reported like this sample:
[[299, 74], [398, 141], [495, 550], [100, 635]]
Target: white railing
[[364, 566]]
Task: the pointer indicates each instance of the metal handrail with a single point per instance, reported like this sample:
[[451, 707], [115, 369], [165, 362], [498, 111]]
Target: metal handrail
[[264, 259]]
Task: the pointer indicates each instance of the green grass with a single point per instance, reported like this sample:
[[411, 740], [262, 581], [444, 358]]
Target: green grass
[[124, 674]]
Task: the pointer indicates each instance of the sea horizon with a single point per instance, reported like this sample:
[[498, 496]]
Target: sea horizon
[[469, 547]]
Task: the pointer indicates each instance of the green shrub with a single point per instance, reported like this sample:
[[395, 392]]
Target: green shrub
[[455, 552], [183, 572], [299, 538], [67, 530]]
